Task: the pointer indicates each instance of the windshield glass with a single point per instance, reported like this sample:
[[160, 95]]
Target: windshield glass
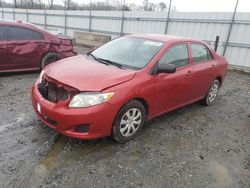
[[130, 52]]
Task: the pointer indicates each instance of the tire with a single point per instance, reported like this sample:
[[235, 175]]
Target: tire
[[128, 122], [212, 93], [48, 59]]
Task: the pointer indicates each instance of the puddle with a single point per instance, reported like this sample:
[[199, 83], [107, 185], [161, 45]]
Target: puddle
[[204, 118], [48, 163], [99, 148], [76, 152], [221, 175]]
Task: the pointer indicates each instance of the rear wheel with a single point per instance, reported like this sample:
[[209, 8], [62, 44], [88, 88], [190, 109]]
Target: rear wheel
[[129, 121], [212, 93], [48, 59]]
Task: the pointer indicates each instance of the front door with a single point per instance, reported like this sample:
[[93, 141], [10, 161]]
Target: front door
[[3, 49], [173, 90]]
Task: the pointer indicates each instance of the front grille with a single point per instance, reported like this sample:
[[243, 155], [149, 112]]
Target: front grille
[[51, 92]]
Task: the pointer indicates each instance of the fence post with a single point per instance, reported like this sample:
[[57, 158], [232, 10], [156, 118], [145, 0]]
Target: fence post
[[168, 16], [122, 18], [216, 43], [230, 28], [45, 19], [27, 15], [65, 22], [14, 16], [90, 16]]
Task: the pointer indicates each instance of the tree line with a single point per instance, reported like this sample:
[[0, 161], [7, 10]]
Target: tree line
[[65, 4]]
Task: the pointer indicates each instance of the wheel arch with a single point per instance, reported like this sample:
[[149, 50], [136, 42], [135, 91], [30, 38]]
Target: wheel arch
[[144, 103], [48, 53], [141, 100], [219, 78]]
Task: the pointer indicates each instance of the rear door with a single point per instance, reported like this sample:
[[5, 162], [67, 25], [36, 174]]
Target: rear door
[[24, 47], [3, 48], [203, 69]]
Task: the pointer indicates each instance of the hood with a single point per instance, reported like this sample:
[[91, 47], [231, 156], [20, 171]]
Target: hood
[[85, 74]]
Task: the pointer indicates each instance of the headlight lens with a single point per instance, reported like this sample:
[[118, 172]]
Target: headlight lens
[[41, 77], [89, 99]]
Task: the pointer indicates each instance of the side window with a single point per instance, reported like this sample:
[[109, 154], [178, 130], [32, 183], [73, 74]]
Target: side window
[[2, 33], [200, 53], [18, 33], [177, 55]]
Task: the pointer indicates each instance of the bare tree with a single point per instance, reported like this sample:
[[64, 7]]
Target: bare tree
[[32, 3], [40, 4], [51, 3], [15, 3], [162, 6]]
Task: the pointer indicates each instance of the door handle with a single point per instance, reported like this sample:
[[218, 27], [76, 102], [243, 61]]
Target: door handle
[[189, 73]]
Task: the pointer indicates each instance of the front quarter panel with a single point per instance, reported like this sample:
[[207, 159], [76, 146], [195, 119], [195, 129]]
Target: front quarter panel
[[141, 87]]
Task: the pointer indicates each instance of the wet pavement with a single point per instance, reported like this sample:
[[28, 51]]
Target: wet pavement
[[195, 146]]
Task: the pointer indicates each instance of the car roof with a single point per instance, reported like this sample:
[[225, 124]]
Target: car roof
[[17, 23], [165, 38]]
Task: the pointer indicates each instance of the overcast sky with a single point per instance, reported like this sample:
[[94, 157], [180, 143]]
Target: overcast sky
[[188, 5]]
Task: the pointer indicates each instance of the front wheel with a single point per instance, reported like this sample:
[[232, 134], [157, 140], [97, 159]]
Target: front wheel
[[212, 93], [129, 121]]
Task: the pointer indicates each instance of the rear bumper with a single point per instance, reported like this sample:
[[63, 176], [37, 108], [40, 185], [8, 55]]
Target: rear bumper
[[65, 120]]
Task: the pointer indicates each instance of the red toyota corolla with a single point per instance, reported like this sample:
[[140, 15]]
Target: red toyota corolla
[[114, 89]]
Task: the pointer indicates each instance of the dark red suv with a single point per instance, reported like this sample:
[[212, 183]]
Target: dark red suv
[[25, 47]]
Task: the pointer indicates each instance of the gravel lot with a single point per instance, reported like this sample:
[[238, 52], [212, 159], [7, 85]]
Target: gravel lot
[[195, 146]]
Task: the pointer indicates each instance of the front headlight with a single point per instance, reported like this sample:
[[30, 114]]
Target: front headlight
[[41, 77], [89, 99]]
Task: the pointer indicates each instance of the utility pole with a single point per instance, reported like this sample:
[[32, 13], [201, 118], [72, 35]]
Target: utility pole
[[90, 15], [123, 11], [168, 16], [230, 28]]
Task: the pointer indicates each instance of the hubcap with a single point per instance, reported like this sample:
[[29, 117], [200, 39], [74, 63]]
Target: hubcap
[[213, 92], [130, 122]]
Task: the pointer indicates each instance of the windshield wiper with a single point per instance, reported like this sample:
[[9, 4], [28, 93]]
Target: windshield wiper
[[106, 61], [112, 63], [97, 59]]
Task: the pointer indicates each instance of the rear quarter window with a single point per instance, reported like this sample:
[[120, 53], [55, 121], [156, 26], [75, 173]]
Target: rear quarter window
[[2, 33], [18, 33]]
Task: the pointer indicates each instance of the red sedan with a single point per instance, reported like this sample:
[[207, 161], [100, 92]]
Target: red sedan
[[115, 88], [25, 47]]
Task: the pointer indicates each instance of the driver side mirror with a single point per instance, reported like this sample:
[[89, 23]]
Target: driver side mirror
[[166, 68]]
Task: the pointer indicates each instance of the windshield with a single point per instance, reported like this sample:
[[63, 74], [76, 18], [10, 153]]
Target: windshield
[[130, 52]]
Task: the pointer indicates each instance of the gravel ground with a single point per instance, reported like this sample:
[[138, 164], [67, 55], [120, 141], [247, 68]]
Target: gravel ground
[[195, 146]]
